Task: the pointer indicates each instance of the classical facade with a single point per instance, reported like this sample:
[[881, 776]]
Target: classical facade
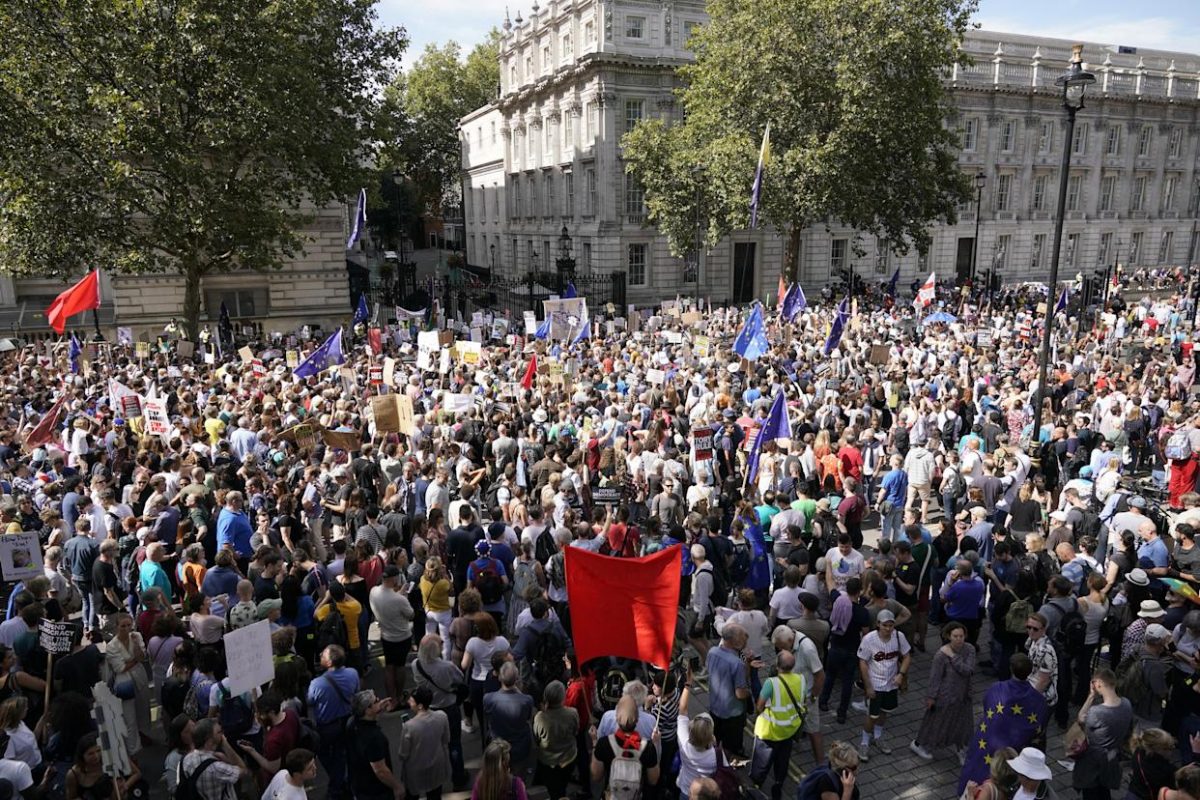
[[577, 74], [311, 288]]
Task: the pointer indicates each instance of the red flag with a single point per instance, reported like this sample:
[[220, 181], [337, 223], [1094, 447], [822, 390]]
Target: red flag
[[624, 606], [44, 430], [782, 290], [530, 372], [375, 340], [83, 296]]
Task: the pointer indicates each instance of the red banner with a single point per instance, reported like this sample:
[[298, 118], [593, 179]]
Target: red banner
[[624, 606]]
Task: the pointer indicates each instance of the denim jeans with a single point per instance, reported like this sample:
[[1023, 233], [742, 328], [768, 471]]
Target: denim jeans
[[332, 754], [458, 771], [892, 523], [89, 608]]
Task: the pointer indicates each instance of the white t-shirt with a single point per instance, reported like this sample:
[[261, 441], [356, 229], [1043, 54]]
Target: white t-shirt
[[280, 789], [844, 567], [883, 658], [17, 773]]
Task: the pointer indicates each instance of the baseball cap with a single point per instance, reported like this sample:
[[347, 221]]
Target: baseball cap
[[1157, 632], [885, 616]]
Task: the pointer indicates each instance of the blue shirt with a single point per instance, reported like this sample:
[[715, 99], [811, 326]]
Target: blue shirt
[[726, 674], [220, 580], [895, 483], [151, 575], [233, 530], [963, 598], [331, 702], [478, 566], [1155, 550]]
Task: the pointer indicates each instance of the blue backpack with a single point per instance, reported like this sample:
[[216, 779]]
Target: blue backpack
[[810, 787]]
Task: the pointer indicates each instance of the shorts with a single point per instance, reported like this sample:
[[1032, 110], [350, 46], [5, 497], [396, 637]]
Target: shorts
[[812, 717], [395, 654], [883, 703], [920, 490]]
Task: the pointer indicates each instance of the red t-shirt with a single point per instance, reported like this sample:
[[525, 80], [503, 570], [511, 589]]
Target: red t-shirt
[[579, 697], [852, 461], [279, 741]]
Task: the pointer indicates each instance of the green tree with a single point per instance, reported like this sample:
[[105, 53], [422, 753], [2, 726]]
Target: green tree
[[189, 135], [853, 92], [428, 101]]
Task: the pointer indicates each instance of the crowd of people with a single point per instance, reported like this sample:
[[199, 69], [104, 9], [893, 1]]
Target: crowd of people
[[415, 585]]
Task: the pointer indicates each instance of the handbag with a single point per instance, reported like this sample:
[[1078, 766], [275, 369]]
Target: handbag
[[460, 690], [1076, 741], [123, 686]]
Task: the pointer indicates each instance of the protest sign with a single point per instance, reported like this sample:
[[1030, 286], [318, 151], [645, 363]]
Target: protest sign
[[55, 637], [456, 403], [389, 371], [879, 355], [656, 376], [154, 412], [109, 713], [985, 338], [375, 374], [531, 323], [20, 556], [692, 318], [185, 349], [606, 496], [246, 354], [291, 358], [468, 353], [249, 656], [342, 440], [445, 338], [258, 368], [141, 349], [125, 336], [406, 422], [702, 443], [387, 418], [303, 435], [701, 346]]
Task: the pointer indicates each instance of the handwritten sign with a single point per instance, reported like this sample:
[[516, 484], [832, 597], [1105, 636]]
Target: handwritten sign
[[246, 354], [154, 412], [342, 440], [701, 347], [387, 419], [20, 556], [141, 349], [656, 376], [248, 654]]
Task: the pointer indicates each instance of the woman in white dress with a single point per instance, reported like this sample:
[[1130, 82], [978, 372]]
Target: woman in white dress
[[125, 658]]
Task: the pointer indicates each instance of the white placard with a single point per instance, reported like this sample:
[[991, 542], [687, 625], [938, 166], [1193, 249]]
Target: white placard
[[154, 412], [457, 403], [248, 654], [531, 324], [20, 556], [656, 376]]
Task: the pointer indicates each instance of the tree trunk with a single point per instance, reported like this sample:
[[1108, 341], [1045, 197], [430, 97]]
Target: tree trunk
[[791, 256], [191, 299]]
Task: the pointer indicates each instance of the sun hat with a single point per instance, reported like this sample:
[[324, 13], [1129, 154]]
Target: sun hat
[[1138, 577], [1031, 763], [1150, 609]]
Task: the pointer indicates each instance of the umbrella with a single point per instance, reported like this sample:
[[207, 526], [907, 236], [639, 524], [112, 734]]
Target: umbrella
[[1181, 588], [939, 316]]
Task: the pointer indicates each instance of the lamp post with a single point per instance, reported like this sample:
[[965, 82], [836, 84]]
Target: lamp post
[[694, 267], [1073, 84], [492, 255], [565, 263], [980, 180]]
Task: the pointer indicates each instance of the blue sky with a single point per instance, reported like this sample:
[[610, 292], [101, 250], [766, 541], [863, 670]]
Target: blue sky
[[1160, 24]]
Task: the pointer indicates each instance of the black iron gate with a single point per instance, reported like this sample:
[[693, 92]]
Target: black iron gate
[[465, 293]]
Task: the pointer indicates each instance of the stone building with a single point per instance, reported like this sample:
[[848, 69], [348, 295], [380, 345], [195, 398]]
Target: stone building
[[311, 288], [576, 75]]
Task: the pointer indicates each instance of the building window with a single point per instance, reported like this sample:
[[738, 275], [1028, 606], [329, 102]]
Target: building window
[[1144, 141], [1003, 192], [516, 251], [590, 181], [1000, 261], [589, 113], [528, 66], [1135, 248], [547, 64], [569, 192], [1168, 194], [546, 254], [1079, 142], [514, 210], [1192, 246], [548, 208], [531, 144], [635, 199], [970, 134], [495, 202], [635, 27], [636, 264], [586, 258], [493, 133], [239, 302], [1105, 248], [1039, 192], [1138, 201], [689, 30], [1175, 148], [589, 32], [512, 76], [566, 48], [837, 255], [1008, 136], [1108, 192], [1164, 246], [883, 252], [1072, 249], [568, 130], [1074, 185], [634, 109], [1039, 247], [1112, 146], [1045, 138]]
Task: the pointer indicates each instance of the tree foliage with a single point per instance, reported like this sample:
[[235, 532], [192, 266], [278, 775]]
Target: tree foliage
[[853, 92], [191, 135], [428, 101]]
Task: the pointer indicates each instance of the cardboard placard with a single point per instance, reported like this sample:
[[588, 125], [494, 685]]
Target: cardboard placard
[[154, 412], [20, 556], [406, 420], [879, 355], [692, 318], [349, 441], [656, 376], [185, 348], [249, 656], [468, 353], [389, 371], [702, 444], [456, 403], [445, 338], [55, 637], [701, 347], [303, 435], [246, 354], [387, 417]]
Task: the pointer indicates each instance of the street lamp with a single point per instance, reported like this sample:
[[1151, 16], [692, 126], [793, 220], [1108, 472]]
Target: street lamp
[[980, 180], [1073, 84], [492, 252], [565, 263]]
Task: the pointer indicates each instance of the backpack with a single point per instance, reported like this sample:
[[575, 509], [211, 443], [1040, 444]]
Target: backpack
[[128, 572], [488, 583], [308, 738], [1179, 446], [956, 487], [739, 570], [1072, 629], [1089, 524], [185, 786], [332, 630], [544, 547], [546, 656], [1083, 589], [1017, 614], [524, 576], [236, 715], [810, 787], [950, 430], [625, 771], [1131, 681], [720, 591], [557, 572]]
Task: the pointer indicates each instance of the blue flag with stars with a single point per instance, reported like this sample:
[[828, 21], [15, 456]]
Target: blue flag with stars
[[329, 354], [1014, 714], [777, 426], [73, 352], [751, 342], [361, 312], [839, 325], [793, 303], [569, 293], [891, 290], [1061, 305]]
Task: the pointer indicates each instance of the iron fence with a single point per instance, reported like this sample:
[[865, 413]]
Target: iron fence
[[466, 293]]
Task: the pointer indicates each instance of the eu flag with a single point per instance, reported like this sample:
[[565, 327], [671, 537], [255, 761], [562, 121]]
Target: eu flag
[[839, 324], [1061, 305], [1014, 714], [569, 293], [327, 355], [361, 312], [793, 303], [777, 426], [891, 290], [751, 342], [543, 331], [760, 566], [73, 352]]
